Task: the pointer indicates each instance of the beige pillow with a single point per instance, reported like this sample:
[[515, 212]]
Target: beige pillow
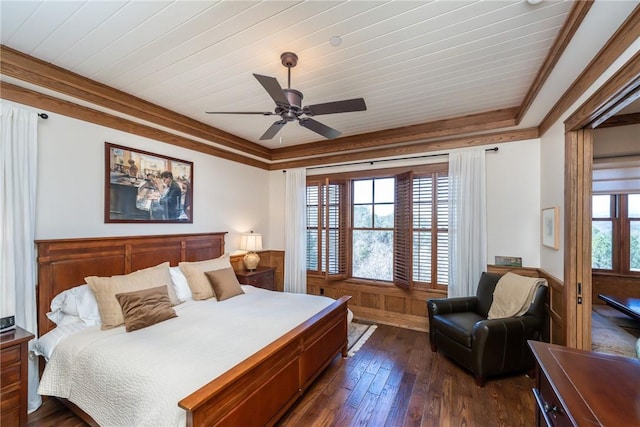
[[198, 282], [145, 308], [106, 288], [225, 283]]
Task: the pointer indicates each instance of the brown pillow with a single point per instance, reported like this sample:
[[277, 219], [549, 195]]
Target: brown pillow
[[225, 283], [194, 272], [106, 288], [145, 307]]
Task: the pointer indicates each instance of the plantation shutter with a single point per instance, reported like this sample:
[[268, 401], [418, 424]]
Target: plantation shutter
[[335, 229], [403, 231], [442, 227], [314, 225]]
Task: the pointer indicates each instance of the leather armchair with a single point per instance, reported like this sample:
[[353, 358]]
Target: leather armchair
[[459, 328]]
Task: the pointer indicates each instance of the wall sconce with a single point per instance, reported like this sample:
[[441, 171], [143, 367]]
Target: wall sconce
[[251, 242]]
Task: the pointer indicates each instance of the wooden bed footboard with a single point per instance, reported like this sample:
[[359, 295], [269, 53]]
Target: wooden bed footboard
[[259, 390]]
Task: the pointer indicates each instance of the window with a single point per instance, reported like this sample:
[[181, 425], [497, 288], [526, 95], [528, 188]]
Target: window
[[383, 226], [615, 233]]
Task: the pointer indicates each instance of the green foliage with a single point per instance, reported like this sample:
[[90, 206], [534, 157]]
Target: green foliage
[[601, 249]]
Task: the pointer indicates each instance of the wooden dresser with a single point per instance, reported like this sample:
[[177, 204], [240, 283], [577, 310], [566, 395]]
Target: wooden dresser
[[585, 388], [14, 354]]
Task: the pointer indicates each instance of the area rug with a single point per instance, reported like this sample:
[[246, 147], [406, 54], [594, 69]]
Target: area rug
[[607, 337], [359, 333]]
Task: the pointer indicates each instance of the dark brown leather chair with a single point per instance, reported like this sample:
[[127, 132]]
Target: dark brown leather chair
[[459, 328]]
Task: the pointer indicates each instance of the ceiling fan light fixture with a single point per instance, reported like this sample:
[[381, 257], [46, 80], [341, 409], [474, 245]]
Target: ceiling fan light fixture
[[289, 105]]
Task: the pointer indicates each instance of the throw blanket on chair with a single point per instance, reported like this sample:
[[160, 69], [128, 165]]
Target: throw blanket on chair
[[513, 295]]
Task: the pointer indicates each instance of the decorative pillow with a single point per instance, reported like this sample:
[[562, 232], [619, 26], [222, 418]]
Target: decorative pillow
[[225, 283], [145, 307], [77, 303], [106, 288], [198, 282], [180, 284]]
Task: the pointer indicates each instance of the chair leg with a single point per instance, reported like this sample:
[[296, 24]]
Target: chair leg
[[481, 380], [434, 347]]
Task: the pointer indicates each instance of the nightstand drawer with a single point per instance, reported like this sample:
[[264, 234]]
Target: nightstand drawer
[[10, 375], [10, 355], [10, 398]]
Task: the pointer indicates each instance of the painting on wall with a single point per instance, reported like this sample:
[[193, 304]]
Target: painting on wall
[[146, 187], [550, 233]]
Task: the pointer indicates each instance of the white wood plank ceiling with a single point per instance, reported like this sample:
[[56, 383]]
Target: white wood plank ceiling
[[412, 61]]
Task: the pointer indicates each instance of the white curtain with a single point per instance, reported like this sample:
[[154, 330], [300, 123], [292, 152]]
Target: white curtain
[[18, 174], [467, 222], [295, 239]]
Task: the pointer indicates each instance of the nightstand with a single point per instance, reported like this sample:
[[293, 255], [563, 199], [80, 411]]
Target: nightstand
[[262, 277], [14, 353]]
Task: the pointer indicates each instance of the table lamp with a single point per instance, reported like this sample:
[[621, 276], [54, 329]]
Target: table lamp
[[251, 242]]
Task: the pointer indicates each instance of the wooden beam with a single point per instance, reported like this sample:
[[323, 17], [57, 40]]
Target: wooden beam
[[413, 149], [38, 100], [568, 30], [490, 120], [620, 90], [33, 70], [621, 120], [627, 34]]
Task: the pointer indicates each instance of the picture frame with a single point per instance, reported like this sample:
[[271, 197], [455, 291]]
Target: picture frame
[[549, 227], [508, 261], [145, 187]]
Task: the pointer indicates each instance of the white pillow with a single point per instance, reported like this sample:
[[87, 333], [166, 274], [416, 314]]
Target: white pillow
[[180, 284], [45, 345], [78, 303]]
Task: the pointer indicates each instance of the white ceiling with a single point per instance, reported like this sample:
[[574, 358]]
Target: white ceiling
[[412, 61]]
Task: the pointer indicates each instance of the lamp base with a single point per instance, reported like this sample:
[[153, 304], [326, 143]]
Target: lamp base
[[251, 261]]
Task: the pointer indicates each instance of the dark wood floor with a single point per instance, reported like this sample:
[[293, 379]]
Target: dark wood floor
[[393, 380]]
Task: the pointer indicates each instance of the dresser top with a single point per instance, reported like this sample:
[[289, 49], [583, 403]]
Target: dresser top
[[595, 388]]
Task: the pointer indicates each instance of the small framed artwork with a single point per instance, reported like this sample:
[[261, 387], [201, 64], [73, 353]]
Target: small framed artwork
[[141, 187], [510, 261], [550, 232]]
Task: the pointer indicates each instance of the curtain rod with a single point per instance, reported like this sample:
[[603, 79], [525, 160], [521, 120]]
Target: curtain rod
[[388, 160], [45, 116]]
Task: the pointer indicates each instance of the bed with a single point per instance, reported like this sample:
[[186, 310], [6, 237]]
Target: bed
[[256, 391]]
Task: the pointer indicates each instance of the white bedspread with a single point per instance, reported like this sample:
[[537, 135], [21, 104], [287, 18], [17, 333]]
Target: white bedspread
[[137, 378]]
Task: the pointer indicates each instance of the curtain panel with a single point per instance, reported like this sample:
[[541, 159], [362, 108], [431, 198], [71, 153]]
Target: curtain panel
[[18, 177], [467, 222], [295, 239]]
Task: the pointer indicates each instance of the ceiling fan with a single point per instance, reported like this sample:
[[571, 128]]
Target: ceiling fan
[[289, 105]]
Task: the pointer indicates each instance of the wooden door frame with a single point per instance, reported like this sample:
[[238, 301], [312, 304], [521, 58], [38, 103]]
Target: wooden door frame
[[619, 91]]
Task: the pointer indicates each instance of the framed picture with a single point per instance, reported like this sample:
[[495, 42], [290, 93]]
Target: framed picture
[[550, 232], [146, 187], [510, 261]]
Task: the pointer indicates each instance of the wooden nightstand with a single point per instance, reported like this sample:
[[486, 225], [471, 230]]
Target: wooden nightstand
[[14, 353], [263, 277]]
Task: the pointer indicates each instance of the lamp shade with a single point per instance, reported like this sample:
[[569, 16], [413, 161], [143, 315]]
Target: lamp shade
[[251, 242]]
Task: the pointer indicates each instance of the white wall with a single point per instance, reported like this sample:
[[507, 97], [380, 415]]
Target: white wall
[[228, 196], [616, 141], [552, 194], [513, 199]]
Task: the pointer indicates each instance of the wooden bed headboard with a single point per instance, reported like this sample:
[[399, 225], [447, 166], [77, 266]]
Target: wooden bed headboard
[[64, 263]]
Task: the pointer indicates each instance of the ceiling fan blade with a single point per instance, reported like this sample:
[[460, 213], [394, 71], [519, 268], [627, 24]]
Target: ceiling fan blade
[[318, 127], [273, 130], [262, 113], [345, 106], [274, 90]]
